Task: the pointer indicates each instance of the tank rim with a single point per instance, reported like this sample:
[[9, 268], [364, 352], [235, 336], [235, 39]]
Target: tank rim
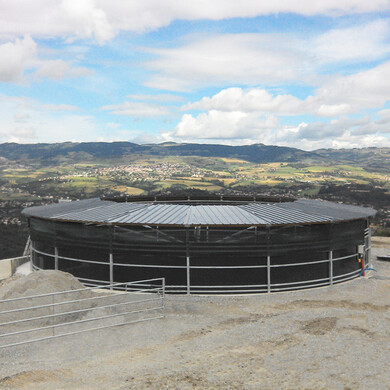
[[214, 200]]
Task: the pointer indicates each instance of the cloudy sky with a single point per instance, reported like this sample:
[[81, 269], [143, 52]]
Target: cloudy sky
[[303, 73]]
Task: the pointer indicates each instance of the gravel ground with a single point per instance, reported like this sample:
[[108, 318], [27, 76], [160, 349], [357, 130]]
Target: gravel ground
[[327, 338]]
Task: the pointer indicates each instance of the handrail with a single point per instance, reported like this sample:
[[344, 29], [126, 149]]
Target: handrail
[[198, 266]]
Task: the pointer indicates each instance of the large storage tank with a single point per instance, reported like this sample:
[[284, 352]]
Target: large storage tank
[[203, 245]]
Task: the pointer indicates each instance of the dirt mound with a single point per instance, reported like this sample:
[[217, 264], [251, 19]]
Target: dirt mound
[[40, 282]]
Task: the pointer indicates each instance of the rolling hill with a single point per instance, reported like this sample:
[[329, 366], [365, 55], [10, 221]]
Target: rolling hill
[[53, 153]]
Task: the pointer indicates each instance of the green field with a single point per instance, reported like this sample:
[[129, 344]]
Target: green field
[[139, 175]]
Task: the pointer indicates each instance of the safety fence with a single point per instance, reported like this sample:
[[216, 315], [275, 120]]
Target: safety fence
[[327, 278], [40, 317]]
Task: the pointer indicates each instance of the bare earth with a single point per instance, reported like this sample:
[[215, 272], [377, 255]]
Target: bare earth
[[328, 338]]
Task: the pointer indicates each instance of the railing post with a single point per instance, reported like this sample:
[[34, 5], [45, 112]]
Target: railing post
[[188, 276], [52, 312], [163, 297], [368, 252], [111, 231], [56, 258], [268, 274], [32, 249], [188, 261], [111, 270], [330, 257]]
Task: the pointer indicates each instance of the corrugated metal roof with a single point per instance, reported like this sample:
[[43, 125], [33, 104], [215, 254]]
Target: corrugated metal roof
[[187, 214], [282, 216], [334, 211], [51, 210], [100, 212]]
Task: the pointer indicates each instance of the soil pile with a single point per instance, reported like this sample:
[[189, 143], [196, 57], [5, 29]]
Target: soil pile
[[38, 283], [41, 282]]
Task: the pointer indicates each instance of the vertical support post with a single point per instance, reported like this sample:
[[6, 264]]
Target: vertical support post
[[188, 276], [56, 258], [268, 274], [268, 259], [52, 318], [111, 270], [368, 259], [32, 248], [330, 257], [27, 247], [163, 297], [188, 262], [111, 258]]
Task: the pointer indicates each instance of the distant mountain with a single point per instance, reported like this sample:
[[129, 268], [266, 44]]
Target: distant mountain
[[68, 152], [371, 158], [14, 151], [257, 153]]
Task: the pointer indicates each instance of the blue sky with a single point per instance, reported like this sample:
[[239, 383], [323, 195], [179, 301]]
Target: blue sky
[[308, 74]]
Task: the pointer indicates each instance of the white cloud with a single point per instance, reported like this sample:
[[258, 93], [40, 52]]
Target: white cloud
[[365, 89], [87, 20], [21, 117], [143, 138], [138, 109], [365, 42], [263, 58], [237, 128], [15, 58], [20, 132], [163, 97], [326, 130], [346, 140], [261, 101], [229, 58], [331, 135], [21, 55], [251, 100], [238, 115], [102, 19], [380, 125], [224, 125], [59, 69], [339, 95], [25, 120]]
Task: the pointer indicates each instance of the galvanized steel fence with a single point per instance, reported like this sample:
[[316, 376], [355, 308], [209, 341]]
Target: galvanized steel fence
[[270, 286], [40, 317]]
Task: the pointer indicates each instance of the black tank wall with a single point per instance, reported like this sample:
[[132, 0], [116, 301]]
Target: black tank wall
[[205, 247]]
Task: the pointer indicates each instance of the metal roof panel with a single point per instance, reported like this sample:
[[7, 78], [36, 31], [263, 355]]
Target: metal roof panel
[[160, 213]]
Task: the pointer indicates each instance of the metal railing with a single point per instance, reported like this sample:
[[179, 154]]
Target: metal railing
[[59, 314], [328, 280]]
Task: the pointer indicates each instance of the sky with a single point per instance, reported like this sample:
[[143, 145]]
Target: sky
[[305, 73]]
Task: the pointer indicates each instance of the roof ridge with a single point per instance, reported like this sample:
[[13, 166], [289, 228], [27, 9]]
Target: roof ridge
[[249, 211], [188, 216]]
